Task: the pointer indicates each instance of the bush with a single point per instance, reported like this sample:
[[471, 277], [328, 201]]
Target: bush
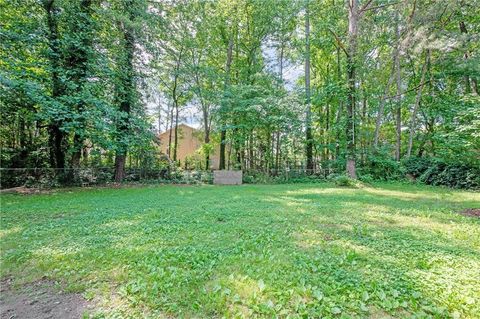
[[416, 166], [434, 171], [381, 166], [366, 178], [345, 181]]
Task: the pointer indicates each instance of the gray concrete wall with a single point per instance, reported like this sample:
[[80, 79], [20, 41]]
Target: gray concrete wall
[[227, 177]]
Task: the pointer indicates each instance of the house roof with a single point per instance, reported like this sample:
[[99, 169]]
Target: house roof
[[179, 125]]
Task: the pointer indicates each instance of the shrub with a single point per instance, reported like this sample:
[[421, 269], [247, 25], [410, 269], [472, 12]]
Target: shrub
[[345, 181], [366, 178], [434, 171], [381, 166], [416, 166]]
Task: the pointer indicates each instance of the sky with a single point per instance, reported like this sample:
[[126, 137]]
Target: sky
[[190, 113]]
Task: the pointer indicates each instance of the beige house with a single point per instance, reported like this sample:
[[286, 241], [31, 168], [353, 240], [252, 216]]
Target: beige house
[[190, 141]]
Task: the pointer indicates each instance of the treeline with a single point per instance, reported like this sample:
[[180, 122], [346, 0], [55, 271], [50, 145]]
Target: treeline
[[367, 86]]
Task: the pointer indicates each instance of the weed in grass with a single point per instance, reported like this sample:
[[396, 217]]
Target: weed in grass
[[299, 250]]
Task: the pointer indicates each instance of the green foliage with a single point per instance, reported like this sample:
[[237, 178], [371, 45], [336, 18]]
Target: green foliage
[[434, 171], [381, 166], [366, 178], [251, 250], [345, 181], [94, 77]]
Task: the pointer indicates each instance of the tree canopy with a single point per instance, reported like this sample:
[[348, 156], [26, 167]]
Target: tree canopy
[[344, 86]]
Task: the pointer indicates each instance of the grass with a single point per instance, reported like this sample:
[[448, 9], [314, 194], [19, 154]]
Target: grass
[[309, 250]]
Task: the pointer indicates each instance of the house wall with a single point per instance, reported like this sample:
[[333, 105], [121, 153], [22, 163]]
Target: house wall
[[189, 142]]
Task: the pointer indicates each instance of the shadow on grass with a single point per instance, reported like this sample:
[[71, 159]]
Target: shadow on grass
[[242, 250]]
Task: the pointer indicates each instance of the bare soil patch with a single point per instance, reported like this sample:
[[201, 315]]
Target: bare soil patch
[[40, 300], [475, 212]]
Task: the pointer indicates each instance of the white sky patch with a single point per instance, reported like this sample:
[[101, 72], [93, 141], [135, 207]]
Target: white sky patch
[[291, 71], [190, 113]]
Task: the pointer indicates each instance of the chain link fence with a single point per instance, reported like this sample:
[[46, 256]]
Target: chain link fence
[[48, 177]]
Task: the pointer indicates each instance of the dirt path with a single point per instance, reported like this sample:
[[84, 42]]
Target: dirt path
[[39, 300], [471, 212]]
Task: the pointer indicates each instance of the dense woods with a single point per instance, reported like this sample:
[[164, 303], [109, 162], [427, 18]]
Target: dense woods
[[374, 89]]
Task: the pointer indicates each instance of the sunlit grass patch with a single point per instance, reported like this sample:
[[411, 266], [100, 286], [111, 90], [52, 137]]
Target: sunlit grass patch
[[252, 251]]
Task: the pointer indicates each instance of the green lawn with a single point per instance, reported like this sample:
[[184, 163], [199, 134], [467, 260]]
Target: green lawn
[[309, 250]]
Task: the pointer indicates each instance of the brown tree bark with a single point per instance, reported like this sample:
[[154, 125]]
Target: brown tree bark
[[340, 106], [125, 91], [308, 115], [381, 109], [120, 160], [78, 62], [175, 143], [398, 110], [353, 17], [175, 97], [468, 88], [223, 133], [417, 104], [205, 108], [56, 135], [170, 132]]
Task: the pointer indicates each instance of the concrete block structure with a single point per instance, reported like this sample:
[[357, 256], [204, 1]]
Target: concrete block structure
[[227, 177]]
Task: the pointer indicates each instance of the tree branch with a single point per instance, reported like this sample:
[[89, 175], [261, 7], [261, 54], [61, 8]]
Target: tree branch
[[366, 8], [340, 44], [409, 90]]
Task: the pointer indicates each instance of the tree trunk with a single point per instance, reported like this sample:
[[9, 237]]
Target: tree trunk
[[417, 104], [308, 117], [277, 137], [353, 16], [205, 110], [277, 150], [327, 132], [120, 167], [468, 89], [398, 111], [381, 108], [170, 133], [223, 132], [363, 140], [78, 58], [125, 92], [175, 145], [56, 135], [207, 155], [77, 153], [340, 108], [57, 157]]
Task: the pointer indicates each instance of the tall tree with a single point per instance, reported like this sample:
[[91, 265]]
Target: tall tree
[[125, 87], [223, 132], [78, 54], [398, 97], [418, 98], [308, 113], [354, 14], [56, 134]]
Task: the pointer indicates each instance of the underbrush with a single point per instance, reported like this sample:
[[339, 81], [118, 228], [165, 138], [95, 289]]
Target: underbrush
[[437, 172], [424, 170], [378, 167]]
